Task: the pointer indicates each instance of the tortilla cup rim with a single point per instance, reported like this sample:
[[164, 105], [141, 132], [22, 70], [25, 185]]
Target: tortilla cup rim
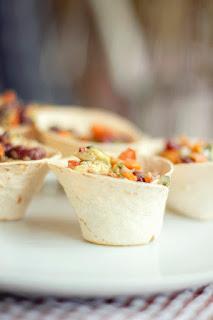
[[56, 164], [56, 155], [36, 108], [71, 140], [198, 164]]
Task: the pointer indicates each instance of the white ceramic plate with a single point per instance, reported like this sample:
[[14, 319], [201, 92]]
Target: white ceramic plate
[[45, 254]]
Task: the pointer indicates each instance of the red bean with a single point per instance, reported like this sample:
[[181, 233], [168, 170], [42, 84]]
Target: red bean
[[186, 160], [23, 153], [140, 176], [171, 145]]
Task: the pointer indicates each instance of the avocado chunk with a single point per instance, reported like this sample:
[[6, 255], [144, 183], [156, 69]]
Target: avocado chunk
[[165, 181], [91, 154]]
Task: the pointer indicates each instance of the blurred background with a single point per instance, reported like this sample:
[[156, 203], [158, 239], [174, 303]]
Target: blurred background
[[149, 60]]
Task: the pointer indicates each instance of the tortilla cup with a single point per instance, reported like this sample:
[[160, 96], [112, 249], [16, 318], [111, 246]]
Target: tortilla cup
[[19, 181], [116, 211], [81, 119], [191, 191]]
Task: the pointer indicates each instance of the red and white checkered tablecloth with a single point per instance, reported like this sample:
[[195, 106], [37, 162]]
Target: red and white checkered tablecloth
[[190, 304]]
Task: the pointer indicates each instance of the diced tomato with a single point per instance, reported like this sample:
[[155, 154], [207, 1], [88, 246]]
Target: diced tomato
[[101, 133], [128, 154], [132, 164], [197, 147], [73, 163], [129, 176], [1, 150], [64, 133], [148, 177], [172, 155]]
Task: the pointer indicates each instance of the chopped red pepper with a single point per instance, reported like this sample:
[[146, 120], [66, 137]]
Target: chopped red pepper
[[102, 133], [73, 163]]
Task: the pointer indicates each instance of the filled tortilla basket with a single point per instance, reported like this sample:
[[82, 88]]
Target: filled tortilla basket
[[118, 201], [67, 129], [191, 191], [23, 166]]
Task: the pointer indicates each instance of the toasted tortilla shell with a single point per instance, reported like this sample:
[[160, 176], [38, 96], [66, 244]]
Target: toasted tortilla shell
[[81, 119], [191, 191], [19, 181], [116, 211]]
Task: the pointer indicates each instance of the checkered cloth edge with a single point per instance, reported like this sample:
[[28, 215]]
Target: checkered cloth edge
[[190, 304]]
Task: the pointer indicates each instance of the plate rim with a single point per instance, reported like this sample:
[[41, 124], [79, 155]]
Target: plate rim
[[131, 286]]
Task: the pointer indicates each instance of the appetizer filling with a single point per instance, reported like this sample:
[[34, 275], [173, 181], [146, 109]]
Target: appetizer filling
[[93, 160], [12, 151], [12, 111], [183, 150], [98, 133]]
